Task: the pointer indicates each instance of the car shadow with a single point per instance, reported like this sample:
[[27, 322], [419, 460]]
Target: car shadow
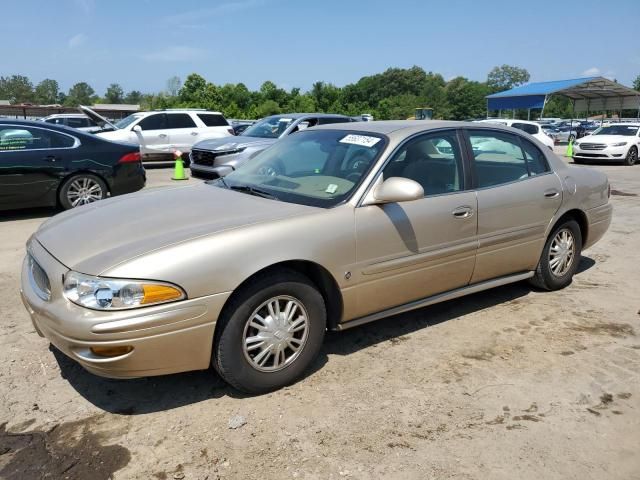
[[28, 214], [153, 394]]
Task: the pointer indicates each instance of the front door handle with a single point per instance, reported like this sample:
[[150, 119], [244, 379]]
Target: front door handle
[[552, 193], [49, 158], [194, 133], [162, 135], [462, 212]]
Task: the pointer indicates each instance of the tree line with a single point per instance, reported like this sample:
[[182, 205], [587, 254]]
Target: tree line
[[392, 94]]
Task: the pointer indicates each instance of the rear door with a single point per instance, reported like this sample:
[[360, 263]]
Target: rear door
[[518, 195], [183, 131], [32, 161], [412, 250], [154, 137]]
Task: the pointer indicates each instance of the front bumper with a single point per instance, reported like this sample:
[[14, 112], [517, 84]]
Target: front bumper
[[167, 338], [613, 154]]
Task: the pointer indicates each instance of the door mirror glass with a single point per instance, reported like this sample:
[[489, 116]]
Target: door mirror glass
[[395, 190]]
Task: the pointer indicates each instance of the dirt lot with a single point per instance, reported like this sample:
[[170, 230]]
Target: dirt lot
[[509, 383]]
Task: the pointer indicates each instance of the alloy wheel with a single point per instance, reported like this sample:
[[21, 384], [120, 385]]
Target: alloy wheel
[[275, 333], [84, 190]]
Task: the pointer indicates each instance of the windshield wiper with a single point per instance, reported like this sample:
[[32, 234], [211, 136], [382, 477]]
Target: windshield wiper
[[252, 191]]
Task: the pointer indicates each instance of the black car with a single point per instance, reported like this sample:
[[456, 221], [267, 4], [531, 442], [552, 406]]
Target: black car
[[50, 165]]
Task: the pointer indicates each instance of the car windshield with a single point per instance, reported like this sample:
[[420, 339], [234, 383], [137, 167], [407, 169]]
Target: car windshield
[[626, 130], [318, 168], [126, 121], [270, 127]]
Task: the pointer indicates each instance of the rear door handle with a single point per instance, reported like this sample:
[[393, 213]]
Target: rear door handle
[[162, 135], [553, 193], [194, 133], [49, 158], [462, 212]]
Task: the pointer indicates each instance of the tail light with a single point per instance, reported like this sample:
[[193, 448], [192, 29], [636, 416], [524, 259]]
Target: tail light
[[230, 130], [130, 158]]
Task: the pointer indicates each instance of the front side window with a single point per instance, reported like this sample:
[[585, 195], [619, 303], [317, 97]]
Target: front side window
[[180, 120], [313, 167], [434, 161], [18, 138], [157, 121], [498, 158]]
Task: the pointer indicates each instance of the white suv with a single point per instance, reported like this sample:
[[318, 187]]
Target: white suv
[[532, 128], [161, 132]]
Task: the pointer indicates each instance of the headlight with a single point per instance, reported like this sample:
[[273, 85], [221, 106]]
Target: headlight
[[576, 144], [619, 144], [117, 294]]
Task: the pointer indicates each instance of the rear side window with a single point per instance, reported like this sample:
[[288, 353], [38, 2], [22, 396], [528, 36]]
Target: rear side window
[[77, 122], [180, 120], [498, 158], [213, 120], [526, 127], [535, 158], [154, 122], [26, 138], [328, 120]]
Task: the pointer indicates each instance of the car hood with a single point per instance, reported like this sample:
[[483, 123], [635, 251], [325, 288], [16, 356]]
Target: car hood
[[606, 139], [227, 144], [93, 238]]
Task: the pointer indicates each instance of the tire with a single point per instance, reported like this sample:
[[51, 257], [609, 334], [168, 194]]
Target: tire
[[81, 189], [548, 276], [632, 156], [242, 362]]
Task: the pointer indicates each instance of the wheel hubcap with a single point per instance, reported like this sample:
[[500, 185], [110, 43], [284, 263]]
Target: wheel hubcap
[[83, 191], [562, 252], [275, 333]]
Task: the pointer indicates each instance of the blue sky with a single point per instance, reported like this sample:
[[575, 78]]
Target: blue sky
[[140, 44]]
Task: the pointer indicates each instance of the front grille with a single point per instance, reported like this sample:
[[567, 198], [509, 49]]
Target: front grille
[[592, 146], [591, 155], [203, 157], [39, 280]]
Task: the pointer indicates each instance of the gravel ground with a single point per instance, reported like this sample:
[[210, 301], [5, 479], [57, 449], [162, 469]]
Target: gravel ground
[[508, 383]]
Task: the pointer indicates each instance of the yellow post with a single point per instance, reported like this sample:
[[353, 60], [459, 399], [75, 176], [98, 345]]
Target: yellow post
[[178, 169]]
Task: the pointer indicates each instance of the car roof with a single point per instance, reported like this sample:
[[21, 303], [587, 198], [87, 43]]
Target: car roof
[[628, 124], [176, 110], [49, 126], [406, 127], [66, 115], [295, 116]]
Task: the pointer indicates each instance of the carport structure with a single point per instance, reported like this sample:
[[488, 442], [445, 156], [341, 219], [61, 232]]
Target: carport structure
[[587, 94]]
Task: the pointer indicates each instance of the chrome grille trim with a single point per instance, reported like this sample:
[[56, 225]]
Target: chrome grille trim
[[593, 146]]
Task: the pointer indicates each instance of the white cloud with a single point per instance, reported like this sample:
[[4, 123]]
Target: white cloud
[[77, 40], [192, 17], [85, 5], [174, 54], [591, 72]]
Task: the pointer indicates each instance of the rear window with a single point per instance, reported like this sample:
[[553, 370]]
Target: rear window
[[180, 120], [213, 120]]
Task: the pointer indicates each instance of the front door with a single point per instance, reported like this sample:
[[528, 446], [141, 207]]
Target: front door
[[32, 161], [412, 250], [183, 131], [154, 137], [518, 195]]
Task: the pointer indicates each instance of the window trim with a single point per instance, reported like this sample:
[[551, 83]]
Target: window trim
[[471, 158], [76, 140], [465, 177]]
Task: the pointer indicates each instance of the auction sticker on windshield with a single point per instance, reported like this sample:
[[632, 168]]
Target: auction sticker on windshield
[[362, 140]]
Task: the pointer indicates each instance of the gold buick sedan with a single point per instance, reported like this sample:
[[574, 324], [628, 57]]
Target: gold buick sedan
[[329, 228]]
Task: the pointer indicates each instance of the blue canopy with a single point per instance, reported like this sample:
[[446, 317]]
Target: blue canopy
[[597, 92]]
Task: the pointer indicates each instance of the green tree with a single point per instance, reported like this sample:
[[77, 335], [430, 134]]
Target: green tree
[[80, 94], [16, 89], [47, 92], [114, 94], [506, 77], [636, 83], [266, 108], [465, 99], [134, 97], [193, 90]]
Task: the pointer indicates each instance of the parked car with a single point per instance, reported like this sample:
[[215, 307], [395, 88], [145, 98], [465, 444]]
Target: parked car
[[48, 165], [617, 142], [214, 158], [532, 128], [330, 228], [160, 132], [240, 126], [73, 120]]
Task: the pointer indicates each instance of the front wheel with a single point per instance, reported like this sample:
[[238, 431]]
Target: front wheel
[[270, 332], [81, 189], [632, 156], [560, 257]]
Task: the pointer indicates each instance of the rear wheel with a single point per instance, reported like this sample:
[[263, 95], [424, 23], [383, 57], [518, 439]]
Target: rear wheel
[[560, 257], [81, 189], [270, 332], [632, 156]]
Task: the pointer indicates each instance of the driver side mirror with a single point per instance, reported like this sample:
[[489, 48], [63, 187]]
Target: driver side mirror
[[137, 129], [395, 190]]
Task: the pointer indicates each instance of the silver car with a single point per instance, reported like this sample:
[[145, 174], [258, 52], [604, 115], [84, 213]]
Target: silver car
[[328, 229], [218, 157]]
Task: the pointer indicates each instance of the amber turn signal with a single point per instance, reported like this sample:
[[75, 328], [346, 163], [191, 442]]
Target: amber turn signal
[[111, 351], [159, 293]]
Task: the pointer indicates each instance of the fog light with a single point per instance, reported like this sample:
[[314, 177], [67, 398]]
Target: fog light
[[111, 351]]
